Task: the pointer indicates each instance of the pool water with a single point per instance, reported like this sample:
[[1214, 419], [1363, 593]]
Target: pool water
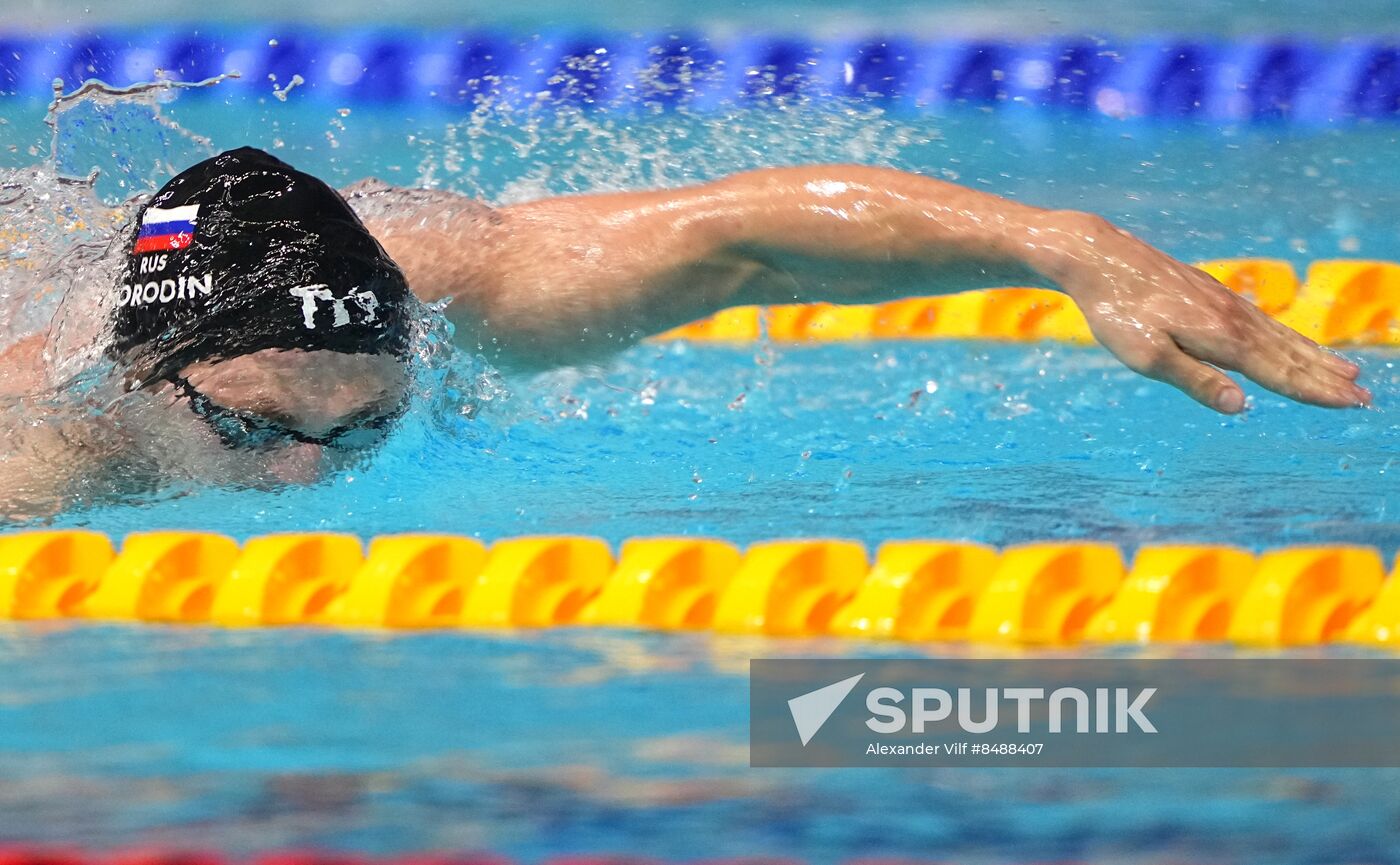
[[564, 742], [579, 741], [1000, 443], [997, 443]]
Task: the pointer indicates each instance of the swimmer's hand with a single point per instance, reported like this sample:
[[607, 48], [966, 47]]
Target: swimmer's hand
[[1172, 322]]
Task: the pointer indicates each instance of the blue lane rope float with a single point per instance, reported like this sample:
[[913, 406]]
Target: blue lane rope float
[[1042, 594], [1170, 78]]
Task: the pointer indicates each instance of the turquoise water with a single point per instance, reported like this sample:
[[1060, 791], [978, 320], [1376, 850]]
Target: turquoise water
[[1001, 443], [565, 742], [535, 745], [1200, 191], [1016, 444]]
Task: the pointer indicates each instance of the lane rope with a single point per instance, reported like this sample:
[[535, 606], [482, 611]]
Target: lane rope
[[1266, 80], [1048, 594], [1340, 302]]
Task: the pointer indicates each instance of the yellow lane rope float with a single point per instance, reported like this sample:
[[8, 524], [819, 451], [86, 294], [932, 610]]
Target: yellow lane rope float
[[1043, 594], [1341, 302]]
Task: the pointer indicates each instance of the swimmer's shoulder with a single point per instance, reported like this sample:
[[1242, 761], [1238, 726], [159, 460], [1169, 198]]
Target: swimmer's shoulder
[[377, 202], [442, 241]]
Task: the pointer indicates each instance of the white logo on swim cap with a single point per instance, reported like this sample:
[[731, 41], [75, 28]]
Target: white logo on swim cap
[[311, 295]]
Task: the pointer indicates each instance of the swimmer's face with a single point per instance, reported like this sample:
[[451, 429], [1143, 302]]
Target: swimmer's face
[[311, 392]]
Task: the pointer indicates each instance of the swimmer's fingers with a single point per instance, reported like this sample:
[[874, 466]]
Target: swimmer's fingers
[[1178, 324], [1304, 351], [1304, 381], [1276, 357], [1165, 361]]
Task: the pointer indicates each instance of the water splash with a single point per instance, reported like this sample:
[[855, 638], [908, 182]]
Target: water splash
[[281, 93], [510, 150], [121, 135], [74, 432], [107, 146]]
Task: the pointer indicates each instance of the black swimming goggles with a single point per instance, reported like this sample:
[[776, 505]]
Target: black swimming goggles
[[247, 430]]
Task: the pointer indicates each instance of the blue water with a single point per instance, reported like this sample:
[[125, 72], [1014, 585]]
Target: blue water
[[1016, 444], [608, 742], [563, 742], [1003, 443], [1199, 191]]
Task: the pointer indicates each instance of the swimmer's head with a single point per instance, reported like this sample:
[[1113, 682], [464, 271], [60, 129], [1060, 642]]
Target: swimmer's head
[[255, 291]]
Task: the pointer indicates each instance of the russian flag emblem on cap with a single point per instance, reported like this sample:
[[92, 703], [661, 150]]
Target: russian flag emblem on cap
[[166, 229]]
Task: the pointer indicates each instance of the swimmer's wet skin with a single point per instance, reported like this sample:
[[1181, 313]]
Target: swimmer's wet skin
[[557, 280], [273, 318]]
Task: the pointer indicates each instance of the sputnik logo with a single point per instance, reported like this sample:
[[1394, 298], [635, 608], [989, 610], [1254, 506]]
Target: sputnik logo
[[812, 710]]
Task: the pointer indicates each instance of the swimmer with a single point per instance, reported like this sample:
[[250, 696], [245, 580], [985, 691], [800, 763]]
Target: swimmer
[[265, 315]]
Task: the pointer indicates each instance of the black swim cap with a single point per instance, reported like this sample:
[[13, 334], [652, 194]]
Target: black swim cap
[[242, 253]]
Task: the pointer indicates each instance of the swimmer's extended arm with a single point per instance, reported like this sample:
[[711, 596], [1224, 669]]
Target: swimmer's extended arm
[[23, 367], [555, 279], [41, 457]]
